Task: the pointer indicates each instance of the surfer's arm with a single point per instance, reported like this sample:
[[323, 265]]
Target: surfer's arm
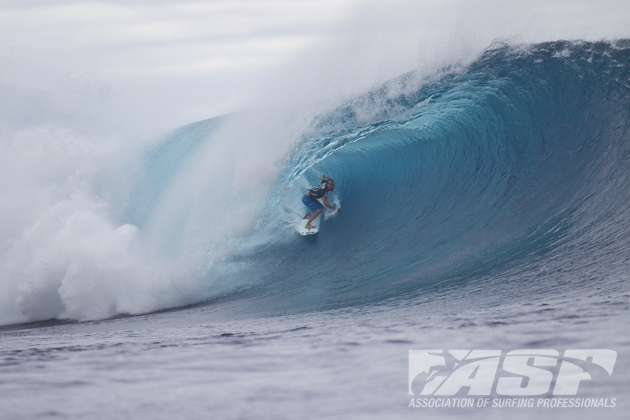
[[327, 204]]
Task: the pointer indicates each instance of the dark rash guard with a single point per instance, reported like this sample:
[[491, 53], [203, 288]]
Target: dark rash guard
[[319, 191]]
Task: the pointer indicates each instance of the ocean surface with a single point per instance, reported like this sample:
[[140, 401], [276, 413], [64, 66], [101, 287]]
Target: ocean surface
[[486, 207]]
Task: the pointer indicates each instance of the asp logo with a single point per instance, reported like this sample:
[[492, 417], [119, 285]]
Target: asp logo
[[513, 373]]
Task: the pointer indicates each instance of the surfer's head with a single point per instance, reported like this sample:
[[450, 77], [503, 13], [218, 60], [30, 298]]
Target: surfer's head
[[330, 184]]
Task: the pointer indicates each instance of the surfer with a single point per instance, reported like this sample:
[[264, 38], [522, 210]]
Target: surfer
[[312, 196]]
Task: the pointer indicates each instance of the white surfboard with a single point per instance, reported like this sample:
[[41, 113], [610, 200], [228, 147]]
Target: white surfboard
[[304, 231]]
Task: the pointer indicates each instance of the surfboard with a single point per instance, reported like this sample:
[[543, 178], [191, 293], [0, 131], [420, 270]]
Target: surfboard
[[304, 231]]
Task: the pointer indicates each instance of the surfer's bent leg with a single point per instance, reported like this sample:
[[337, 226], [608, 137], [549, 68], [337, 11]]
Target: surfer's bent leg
[[314, 209], [310, 219]]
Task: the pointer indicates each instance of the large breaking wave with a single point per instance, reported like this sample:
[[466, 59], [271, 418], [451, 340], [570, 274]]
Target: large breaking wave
[[515, 168]]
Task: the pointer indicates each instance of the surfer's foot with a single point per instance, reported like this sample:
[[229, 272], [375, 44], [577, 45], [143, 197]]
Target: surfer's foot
[[309, 226]]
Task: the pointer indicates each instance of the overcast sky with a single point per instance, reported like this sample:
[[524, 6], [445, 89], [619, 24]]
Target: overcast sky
[[154, 65]]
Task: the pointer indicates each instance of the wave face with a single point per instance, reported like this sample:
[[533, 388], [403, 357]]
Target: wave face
[[514, 170]]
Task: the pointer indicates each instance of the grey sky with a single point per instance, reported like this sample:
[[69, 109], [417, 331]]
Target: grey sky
[[166, 63]]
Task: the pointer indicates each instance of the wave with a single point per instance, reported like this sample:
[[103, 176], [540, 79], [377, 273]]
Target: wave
[[513, 169]]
